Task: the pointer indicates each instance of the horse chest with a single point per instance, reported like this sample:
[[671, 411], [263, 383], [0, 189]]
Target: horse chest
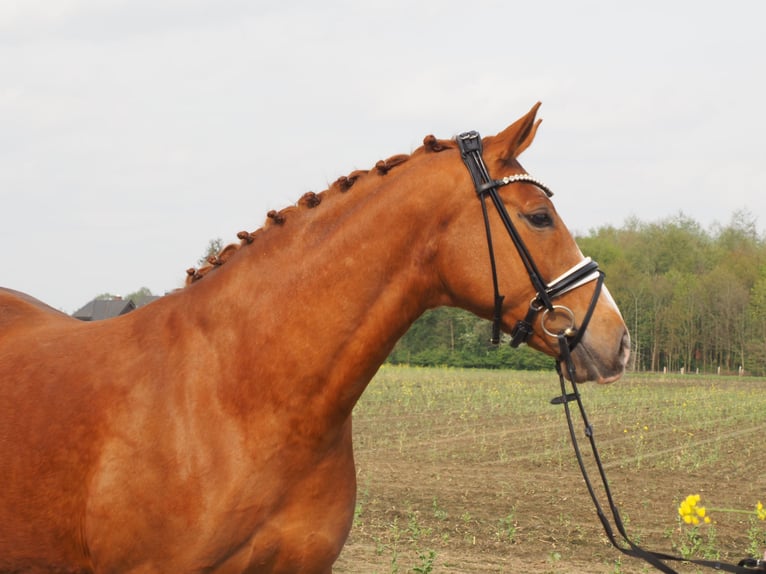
[[287, 511]]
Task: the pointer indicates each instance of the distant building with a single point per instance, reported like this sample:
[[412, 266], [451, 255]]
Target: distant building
[[106, 307], [99, 309]]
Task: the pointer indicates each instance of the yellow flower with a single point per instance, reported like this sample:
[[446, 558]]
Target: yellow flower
[[760, 511], [691, 513]]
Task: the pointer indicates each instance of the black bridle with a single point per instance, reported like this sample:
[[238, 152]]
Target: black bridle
[[584, 272]]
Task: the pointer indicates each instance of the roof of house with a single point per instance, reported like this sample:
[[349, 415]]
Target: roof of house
[[99, 309]]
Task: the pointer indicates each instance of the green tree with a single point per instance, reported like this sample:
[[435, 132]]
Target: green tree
[[757, 322], [141, 296], [214, 247]]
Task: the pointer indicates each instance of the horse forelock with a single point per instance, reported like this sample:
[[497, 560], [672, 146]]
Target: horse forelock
[[311, 200]]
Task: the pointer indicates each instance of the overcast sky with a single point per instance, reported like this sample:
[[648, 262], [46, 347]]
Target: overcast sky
[[134, 131]]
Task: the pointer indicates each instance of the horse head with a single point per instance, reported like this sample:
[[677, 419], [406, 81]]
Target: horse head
[[509, 256]]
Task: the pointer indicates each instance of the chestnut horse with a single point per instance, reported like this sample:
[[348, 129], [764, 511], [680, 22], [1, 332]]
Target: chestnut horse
[[210, 431]]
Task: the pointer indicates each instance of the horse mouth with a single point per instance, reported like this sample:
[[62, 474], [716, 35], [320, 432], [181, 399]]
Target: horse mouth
[[599, 367]]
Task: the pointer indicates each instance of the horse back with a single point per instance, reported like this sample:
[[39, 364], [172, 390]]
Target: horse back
[[19, 309]]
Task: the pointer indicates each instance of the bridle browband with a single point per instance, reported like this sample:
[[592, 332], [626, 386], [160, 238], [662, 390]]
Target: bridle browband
[[584, 272]]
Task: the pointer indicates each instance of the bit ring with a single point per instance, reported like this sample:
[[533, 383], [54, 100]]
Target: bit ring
[[568, 331]]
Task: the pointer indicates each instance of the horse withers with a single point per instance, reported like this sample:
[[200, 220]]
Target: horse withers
[[210, 431]]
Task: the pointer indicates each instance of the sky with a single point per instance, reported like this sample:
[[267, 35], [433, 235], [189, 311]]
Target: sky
[[132, 132]]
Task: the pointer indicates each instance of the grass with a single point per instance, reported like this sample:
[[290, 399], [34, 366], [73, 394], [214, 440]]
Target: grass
[[472, 470]]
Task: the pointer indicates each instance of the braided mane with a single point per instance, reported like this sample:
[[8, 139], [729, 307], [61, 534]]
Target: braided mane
[[311, 200]]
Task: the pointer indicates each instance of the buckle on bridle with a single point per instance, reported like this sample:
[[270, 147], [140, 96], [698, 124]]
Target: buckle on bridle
[[523, 329], [469, 142]]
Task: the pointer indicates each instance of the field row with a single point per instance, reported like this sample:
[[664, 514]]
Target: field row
[[472, 471]]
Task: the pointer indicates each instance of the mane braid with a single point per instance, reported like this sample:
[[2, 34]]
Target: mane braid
[[384, 166], [345, 182], [310, 200], [431, 144]]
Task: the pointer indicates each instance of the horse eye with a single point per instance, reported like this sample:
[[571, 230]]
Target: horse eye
[[540, 219]]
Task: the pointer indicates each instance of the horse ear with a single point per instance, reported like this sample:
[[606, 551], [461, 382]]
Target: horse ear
[[518, 136]]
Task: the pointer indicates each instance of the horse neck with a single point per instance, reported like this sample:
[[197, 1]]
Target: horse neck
[[316, 305]]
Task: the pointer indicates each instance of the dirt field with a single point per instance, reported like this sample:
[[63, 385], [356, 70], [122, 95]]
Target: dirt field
[[473, 471]]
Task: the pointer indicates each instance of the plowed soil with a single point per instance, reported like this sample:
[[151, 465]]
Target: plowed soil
[[473, 471]]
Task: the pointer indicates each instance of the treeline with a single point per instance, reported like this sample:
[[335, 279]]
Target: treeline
[[693, 299], [455, 338]]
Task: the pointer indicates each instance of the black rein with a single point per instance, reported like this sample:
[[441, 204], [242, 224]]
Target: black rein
[[470, 145]]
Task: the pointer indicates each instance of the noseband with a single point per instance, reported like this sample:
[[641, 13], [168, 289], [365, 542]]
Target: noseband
[[584, 272]]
